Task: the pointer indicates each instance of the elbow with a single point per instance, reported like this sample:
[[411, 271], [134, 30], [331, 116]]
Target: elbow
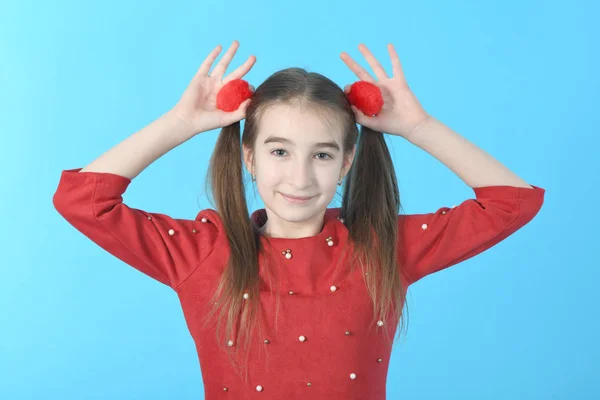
[[60, 202]]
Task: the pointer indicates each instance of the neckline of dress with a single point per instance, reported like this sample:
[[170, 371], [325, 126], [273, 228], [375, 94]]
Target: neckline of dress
[[259, 217]]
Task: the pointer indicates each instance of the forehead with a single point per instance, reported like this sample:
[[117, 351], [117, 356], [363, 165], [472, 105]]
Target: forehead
[[304, 125]]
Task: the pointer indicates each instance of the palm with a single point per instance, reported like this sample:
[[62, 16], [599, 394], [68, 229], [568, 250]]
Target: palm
[[398, 105], [206, 94]]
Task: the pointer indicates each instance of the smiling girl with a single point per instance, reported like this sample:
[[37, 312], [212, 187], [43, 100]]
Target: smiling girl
[[296, 300]]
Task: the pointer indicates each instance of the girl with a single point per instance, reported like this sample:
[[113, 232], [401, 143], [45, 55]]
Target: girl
[[296, 299]]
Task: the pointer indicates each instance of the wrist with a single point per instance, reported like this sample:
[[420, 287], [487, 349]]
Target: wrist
[[180, 123], [419, 128]]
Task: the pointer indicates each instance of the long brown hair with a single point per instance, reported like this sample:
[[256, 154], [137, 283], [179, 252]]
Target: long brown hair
[[369, 209]]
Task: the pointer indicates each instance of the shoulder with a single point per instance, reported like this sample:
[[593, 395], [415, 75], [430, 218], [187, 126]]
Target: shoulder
[[209, 228], [209, 220]]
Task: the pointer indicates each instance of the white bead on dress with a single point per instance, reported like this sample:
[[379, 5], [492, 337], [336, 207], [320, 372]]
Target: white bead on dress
[[287, 253], [171, 232]]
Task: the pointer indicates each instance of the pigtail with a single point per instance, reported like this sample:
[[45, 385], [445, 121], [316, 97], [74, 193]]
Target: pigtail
[[240, 276], [370, 208]]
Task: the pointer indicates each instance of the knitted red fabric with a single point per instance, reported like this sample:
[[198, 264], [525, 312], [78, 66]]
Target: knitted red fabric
[[366, 97], [232, 94]]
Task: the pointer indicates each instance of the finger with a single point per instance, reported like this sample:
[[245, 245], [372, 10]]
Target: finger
[[241, 70], [347, 89], [208, 61], [377, 68], [358, 115], [396, 64], [240, 113], [359, 71], [222, 65], [364, 119]]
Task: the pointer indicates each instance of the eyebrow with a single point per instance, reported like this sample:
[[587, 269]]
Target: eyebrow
[[278, 139]]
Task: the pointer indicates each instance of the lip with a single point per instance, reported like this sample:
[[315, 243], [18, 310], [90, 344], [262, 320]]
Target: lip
[[295, 199]]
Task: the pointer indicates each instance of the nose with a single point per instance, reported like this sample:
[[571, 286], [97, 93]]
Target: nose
[[301, 175]]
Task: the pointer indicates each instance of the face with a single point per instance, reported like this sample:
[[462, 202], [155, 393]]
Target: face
[[297, 153]]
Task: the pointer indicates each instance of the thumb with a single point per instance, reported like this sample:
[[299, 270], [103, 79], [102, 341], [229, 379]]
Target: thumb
[[358, 115], [241, 111]]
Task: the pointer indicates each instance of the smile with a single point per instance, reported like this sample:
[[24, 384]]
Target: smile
[[296, 199]]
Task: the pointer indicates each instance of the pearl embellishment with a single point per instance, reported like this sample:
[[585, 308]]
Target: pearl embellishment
[[246, 296], [424, 226], [230, 343], [302, 338], [287, 253], [333, 288], [380, 323], [353, 376], [259, 388], [203, 220], [329, 241], [171, 232]]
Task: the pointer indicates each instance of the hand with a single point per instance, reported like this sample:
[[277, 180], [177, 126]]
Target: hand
[[198, 104], [401, 113]]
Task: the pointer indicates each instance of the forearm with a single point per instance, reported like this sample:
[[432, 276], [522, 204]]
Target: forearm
[[472, 164], [134, 154]]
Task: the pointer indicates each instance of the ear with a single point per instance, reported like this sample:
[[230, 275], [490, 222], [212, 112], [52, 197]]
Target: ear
[[248, 158], [348, 160]]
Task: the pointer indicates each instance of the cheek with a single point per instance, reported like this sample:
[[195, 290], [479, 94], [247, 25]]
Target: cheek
[[328, 178], [269, 179]]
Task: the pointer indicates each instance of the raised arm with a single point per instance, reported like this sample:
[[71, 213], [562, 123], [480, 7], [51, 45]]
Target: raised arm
[[90, 198]]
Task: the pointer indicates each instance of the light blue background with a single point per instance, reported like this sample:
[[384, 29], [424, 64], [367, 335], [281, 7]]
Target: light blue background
[[518, 78]]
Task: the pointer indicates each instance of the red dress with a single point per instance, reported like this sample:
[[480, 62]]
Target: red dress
[[324, 347]]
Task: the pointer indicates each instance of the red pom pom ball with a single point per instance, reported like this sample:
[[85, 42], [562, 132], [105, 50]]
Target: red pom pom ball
[[232, 94], [366, 97]]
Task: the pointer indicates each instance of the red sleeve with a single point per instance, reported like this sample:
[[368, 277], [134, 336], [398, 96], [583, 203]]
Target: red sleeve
[[159, 246], [435, 241]]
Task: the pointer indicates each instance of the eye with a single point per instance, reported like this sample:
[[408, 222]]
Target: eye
[[327, 156], [277, 150]]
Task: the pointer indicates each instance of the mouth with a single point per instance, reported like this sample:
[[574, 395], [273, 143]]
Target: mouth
[[296, 199]]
